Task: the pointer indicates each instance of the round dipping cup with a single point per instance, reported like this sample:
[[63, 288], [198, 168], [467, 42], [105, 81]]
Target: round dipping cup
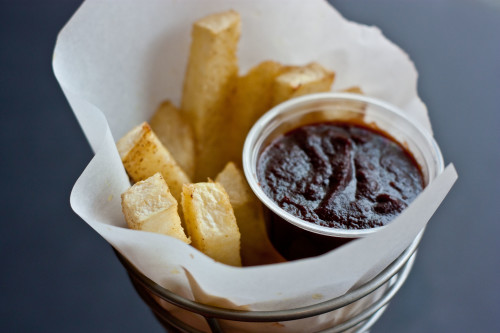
[[293, 237]]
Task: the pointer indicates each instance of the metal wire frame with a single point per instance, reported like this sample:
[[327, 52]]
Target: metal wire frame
[[399, 269]]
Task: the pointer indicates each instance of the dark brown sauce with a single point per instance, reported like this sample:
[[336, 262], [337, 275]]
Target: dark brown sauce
[[339, 175]]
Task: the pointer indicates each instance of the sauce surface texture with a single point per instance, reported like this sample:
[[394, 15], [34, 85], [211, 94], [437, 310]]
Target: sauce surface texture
[[339, 175]]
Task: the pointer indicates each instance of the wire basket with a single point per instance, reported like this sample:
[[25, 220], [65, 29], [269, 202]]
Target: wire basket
[[394, 276]]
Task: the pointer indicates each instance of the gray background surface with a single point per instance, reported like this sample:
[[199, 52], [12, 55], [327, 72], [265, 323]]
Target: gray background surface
[[58, 275]]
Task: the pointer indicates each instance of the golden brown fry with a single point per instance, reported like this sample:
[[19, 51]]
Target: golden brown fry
[[210, 78], [143, 155], [149, 206], [256, 248], [251, 99], [210, 222], [175, 134], [296, 81]]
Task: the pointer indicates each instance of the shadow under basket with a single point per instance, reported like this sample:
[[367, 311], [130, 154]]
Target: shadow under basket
[[394, 275]]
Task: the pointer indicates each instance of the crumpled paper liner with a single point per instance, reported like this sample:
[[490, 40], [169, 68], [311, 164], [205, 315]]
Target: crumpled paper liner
[[116, 61]]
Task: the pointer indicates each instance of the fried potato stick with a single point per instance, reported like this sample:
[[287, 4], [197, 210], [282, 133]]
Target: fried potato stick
[[175, 133], [143, 155], [149, 206], [210, 222], [210, 78], [296, 81]]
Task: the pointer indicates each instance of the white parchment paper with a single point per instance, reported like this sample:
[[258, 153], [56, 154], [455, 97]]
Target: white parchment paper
[[117, 60]]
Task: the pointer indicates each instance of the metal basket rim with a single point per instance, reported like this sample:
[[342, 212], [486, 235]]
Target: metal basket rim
[[273, 315], [363, 320]]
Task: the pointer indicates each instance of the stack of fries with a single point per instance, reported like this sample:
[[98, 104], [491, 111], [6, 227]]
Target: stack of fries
[[172, 159]]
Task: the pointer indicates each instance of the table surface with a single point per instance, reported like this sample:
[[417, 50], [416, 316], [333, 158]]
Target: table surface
[[58, 275]]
